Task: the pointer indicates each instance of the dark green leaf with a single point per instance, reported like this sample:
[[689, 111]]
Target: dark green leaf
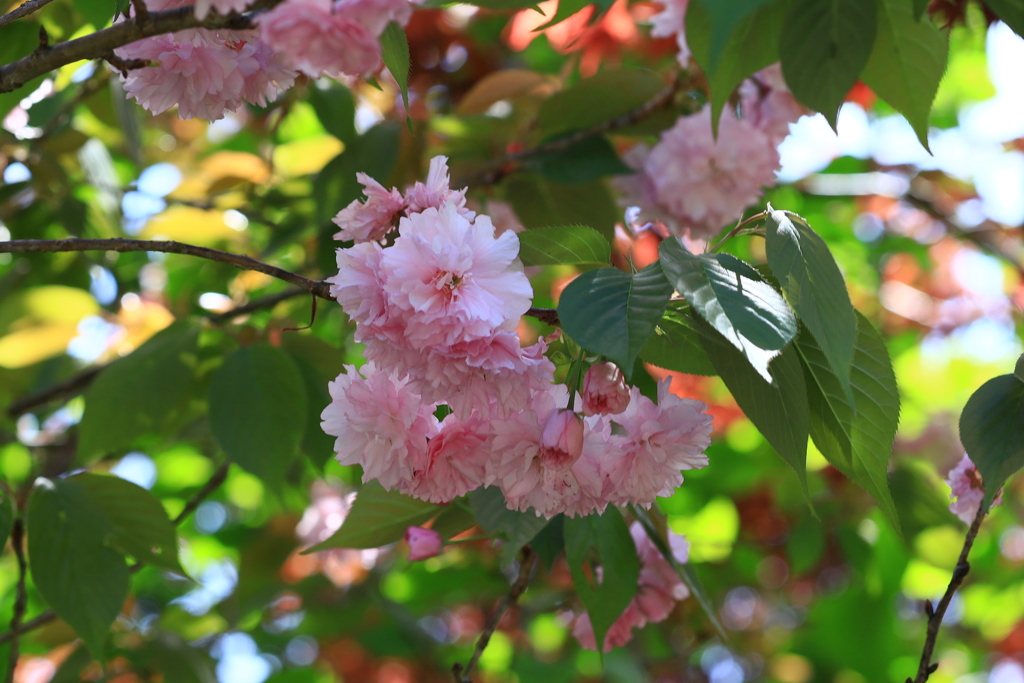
[[141, 527], [18, 39], [614, 313], [174, 660], [814, 287], [589, 159], [752, 45], [378, 517], [779, 410], [74, 567], [6, 518], [550, 541], [602, 540], [918, 495], [731, 296], [395, 48], [992, 430], [539, 203], [139, 393], [563, 245], [96, 12], [606, 95], [907, 63], [317, 445], [824, 47], [725, 16], [675, 345], [567, 8], [858, 441], [493, 516], [336, 108], [453, 520], [257, 406], [921, 5], [1010, 11]]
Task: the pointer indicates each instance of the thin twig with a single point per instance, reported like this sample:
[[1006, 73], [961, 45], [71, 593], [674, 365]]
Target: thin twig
[[23, 10], [268, 301], [21, 597], [509, 162], [737, 230], [926, 668], [526, 562], [99, 43], [66, 389], [49, 615]]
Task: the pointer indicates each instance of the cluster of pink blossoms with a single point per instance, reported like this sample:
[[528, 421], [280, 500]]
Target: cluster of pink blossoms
[[437, 307], [696, 184], [659, 589], [207, 73], [967, 490]]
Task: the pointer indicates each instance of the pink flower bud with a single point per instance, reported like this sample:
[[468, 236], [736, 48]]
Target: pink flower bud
[[423, 543], [604, 390], [561, 439]]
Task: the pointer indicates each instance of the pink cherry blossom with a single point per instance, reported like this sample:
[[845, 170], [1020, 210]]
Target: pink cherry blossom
[[696, 184], [222, 7], [532, 476], [604, 390], [375, 15], [670, 22], [192, 70], [561, 439], [455, 461], [967, 490], [372, 218], [315, 39], [660, 440], [266, 76], [359, 288], [423, 543], [381, 424], [658, 589], [435, 192], [769, 105], [452, 280]]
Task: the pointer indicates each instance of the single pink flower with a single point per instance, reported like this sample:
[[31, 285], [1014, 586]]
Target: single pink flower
[[671, 22], [435, 193], [769, 105], [266, 76], [604, 390], [315, 39], [452, 279], [423, 543], [374, 15], [455, 461], [380, 423], [373, 218], [967, 490], [660, 440]]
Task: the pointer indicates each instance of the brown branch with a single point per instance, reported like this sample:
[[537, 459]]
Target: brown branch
[[510, 162], [23, 10], [926, 668], [526, 562], [21, 599], [268, 301], [98, 44], [49, 615], [72, 386]]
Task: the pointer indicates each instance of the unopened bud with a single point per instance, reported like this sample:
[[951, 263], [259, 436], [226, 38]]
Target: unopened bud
[[423, 543], [561, 439], [604, 390]]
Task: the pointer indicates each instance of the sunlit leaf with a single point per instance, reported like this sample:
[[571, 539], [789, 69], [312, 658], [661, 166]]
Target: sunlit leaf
[[563, 245], [395, 50], [676, 345], [607, 94]]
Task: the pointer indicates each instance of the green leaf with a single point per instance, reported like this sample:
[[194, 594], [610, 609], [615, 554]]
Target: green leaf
[[138, 394], [1010, 11], [539, 203], [730, 295], [336, 108], [606, 95], [614, 313], [752, 45], [378, 517], [493, 516], [316, 445], [140, 523], [921, 5], [676, 345], [563, 245], [567, 8], [602, 540], [257, 406], [907, 63], [550, 541], [18, 39], [725, 16], [6, 518], [395, 48], [855, 437], [588, 159], [74, 567], [96, 12], [814, 287], [992, 430], [778, 410], [453, 520], [824, 46]]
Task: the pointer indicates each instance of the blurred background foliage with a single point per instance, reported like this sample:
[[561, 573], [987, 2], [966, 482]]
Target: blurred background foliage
[[930, 246]]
